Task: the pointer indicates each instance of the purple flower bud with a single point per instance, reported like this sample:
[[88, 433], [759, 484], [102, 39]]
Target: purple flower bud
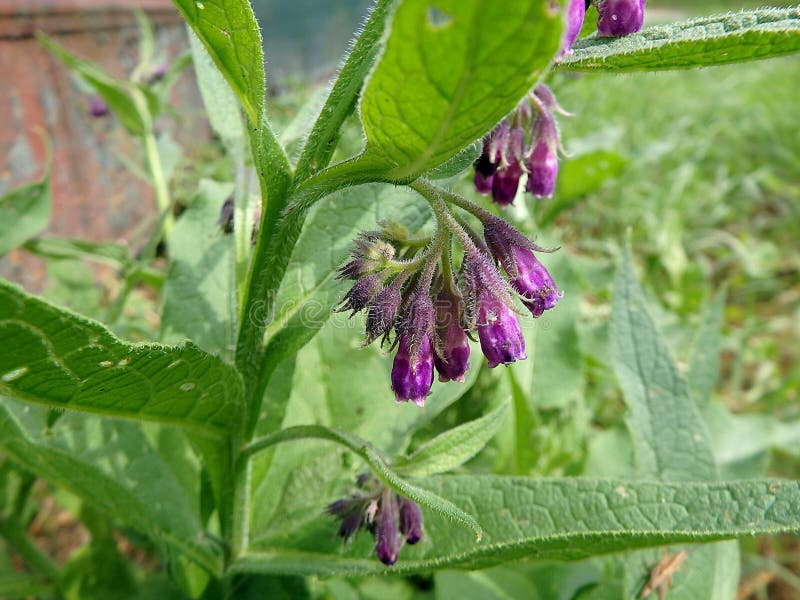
[[486, 164], [533, 282], [349, 511], [361, 293], [483, 183], [506, 178], [619, 17], [499, 332], [225, 220], [542, 166], [451, 356], [505, 183], [387, 536], [97, 106], [383, 310], [412, 372], [410, 521], [575, 14]]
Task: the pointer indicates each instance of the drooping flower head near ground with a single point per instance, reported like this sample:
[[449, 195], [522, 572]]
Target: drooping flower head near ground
[[525, 143], [426, 310], [391, 519]]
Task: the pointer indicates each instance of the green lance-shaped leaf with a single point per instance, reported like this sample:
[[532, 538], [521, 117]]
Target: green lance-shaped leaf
[[450, 71], [229, 31], [701, 42], [118, 94], [110, 464], [670, 438], [24, 213], [452, 448], [549, 519], [53, 357]]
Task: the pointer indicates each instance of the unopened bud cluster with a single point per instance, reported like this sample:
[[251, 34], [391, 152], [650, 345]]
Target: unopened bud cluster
[[433, 310], [391, 519], [526, 142]]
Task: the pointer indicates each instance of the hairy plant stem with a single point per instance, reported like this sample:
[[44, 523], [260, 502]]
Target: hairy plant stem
[[433, 196]]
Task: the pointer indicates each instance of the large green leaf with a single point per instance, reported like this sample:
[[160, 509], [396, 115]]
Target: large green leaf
[[199, 289], [705, 41], [450, 71], [230, 33], [563, 519], [110, 464], [670, 437], [671, 440], [24, 213], [53, 357]]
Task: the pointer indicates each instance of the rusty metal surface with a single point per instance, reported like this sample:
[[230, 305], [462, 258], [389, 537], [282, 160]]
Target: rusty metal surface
[[94, 196]]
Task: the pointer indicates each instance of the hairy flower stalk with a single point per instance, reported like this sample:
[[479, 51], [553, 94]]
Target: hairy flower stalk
[[427, 310], [391, 518], [526, 142]]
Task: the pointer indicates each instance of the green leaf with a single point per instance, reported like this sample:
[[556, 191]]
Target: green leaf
[[548, 519], [452, 448], [321, 142], [53, 357], [705, 41], [459, 163], [24, 213], [109, 253], [117, 93], [110, 464], [470, 63], [670, 438], [199, 289], [230, 33], [553, 377], [218, 98], [18, 585], [704, 359]]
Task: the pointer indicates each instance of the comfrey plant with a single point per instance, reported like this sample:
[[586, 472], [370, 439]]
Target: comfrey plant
[[212, 457]]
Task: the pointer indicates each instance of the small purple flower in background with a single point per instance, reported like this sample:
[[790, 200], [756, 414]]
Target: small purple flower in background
[[525, 142], [391, 518], [97, 107], [575, 15], [617, 18]]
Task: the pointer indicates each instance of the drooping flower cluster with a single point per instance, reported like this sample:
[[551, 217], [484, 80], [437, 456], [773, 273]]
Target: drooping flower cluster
[[433, 310], [391, 519], [526, 142]]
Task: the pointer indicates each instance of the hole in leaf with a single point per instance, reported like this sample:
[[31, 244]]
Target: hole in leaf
[[438, 19]]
